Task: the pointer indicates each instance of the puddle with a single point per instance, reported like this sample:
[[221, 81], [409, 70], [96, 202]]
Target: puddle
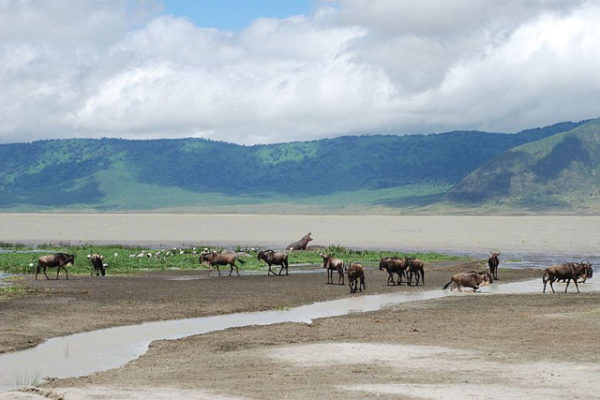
[[85, 353]]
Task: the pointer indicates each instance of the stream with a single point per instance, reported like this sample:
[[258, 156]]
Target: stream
[[99, 350]]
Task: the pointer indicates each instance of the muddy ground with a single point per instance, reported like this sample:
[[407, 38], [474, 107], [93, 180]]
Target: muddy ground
[[83, 303], [468, 345]]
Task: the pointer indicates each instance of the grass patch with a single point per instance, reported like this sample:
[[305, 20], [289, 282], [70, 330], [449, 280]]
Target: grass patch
[[124, 260]]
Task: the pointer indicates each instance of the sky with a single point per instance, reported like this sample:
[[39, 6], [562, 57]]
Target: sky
[[267, 71]]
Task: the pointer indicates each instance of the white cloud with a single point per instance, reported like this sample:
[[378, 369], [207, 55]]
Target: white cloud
[[118, 68]]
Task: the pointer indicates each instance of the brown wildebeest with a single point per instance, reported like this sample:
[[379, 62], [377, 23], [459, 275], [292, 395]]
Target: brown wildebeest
[[416, 267], [569, 271], [300, 244], [58, 260], [97, 265], [215, 259], [493, 262], [582, 278], [356, 274], [393, 265], [333, 264], [470, 279], [274, 258]]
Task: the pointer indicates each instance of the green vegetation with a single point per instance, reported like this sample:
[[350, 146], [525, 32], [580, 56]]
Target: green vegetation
[[122, 260], [560, 172], [358, 171]]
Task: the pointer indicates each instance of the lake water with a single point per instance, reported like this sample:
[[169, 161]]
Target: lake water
[[576, 236]]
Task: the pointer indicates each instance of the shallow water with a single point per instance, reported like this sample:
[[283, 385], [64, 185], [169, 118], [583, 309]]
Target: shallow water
[[572, 235], [84, 353]]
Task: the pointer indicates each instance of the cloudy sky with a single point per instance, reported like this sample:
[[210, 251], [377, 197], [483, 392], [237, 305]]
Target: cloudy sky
[[223, 70]]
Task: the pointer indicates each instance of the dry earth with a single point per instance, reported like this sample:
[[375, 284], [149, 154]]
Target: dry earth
[[463, 346]]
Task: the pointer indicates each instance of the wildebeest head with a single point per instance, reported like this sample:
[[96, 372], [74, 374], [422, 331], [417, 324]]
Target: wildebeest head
[[326, 258], [67, 260], [264, 254], [383, 263], [306, 238]]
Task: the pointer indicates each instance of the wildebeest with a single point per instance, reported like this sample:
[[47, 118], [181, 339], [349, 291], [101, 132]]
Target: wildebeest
[[300, 244], [582, 278], [274, 258], [333, 264], [568, 271], [58, 260], [356, 277], [493, 262], [416, 267], [215, 259], [393, 265], [97, 265], [470, 279]]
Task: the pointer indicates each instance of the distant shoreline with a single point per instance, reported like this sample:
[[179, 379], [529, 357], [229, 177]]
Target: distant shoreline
[[519, 234]]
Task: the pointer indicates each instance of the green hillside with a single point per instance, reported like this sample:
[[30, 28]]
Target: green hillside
[[341, 173], [561, 172]]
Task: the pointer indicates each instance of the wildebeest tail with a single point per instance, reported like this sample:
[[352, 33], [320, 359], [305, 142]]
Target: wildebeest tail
[[447, 284]]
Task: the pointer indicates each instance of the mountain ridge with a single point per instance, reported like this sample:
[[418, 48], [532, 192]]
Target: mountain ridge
[[370, 170]]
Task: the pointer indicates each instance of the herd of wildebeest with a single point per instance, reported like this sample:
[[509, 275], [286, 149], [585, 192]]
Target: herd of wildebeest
[[397, 268]]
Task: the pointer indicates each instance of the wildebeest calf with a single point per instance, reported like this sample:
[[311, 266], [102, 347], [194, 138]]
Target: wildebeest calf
[[274, 258], [97, 265], [356, 274], [569, 271], [58, 260], [470, 279]]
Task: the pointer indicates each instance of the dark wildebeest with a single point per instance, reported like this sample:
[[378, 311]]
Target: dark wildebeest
[[588, 275], [393, 265], [215, 259], [97, 265], [300, 244], [568, 272], [356, 274], [470, 279], [59, 260], [333, 264], [274, 258], [416, 267], [493, 262]]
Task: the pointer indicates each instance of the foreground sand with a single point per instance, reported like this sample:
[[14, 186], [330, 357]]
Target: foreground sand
[[463, 346]]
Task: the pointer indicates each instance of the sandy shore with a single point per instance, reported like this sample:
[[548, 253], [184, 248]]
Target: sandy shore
[[463, 346]]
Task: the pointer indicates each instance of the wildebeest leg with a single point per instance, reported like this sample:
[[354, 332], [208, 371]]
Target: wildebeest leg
[[237, 269], [340, 275], [390, 278], [423, 277], [270, 271], [551, 286], [57, 271], [281, 270], [218, 269]]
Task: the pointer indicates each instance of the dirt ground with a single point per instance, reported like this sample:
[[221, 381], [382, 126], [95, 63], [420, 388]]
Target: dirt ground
[[83, 303], [462, 346]]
